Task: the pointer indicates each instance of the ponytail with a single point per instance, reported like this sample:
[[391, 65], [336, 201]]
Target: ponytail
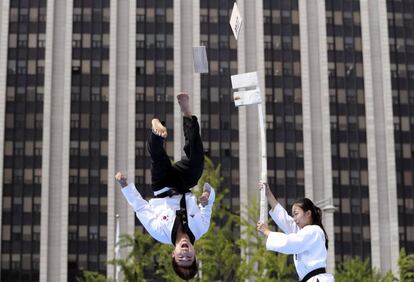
[[307, 205]]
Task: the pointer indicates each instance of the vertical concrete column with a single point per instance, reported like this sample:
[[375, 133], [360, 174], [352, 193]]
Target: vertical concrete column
[[122, 99], [253, 32], [316, 116], [380, 137], [110, 269], [4, 36], [387, 195], [178, 86], [62, 155], [56, 142], [47, 116], [132, 50], [306, 96], [195, 94], [243, 158], [250, 58], [326, 190], [260, 54], [258, 64], [186, 35], [371, 142]]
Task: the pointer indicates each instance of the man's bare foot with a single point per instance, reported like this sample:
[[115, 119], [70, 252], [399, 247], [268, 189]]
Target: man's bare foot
[[158, 128], [184, 102]]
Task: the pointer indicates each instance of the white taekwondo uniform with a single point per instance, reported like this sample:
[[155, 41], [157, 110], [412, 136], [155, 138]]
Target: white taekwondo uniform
[[158, 215], [307, 244]]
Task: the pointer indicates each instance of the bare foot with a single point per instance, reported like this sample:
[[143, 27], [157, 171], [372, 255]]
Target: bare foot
[[158, 128], [184, 102]]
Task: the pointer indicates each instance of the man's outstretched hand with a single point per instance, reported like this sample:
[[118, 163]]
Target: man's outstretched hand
[[206, 194], [204, 198], [121, 179]]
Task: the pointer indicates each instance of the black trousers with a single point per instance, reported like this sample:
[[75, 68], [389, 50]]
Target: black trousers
[[184, 174]]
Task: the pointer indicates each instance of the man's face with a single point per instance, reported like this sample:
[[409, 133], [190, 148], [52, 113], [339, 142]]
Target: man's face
[[184, 253]]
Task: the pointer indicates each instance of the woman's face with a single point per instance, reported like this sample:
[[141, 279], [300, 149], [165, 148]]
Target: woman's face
[[301, 217]]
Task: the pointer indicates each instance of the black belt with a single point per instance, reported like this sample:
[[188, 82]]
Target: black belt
[[170, 193], [313, 273]]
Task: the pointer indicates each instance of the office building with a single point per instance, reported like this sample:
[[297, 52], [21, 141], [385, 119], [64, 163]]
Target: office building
[[80, 81]]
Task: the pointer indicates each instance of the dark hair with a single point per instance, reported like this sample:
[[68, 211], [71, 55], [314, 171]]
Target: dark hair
[[307, 205], [185, 272]]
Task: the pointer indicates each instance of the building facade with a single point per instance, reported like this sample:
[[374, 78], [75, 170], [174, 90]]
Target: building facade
[[80, 82]]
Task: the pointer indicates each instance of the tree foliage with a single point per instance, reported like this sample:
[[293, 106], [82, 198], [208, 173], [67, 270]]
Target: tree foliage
[[355, 269], [406, 264], [217, 251], [91, 276], [140, 257], [259, 263]]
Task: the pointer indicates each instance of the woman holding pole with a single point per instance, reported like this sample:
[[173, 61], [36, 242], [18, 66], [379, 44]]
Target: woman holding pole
[[303, 236]]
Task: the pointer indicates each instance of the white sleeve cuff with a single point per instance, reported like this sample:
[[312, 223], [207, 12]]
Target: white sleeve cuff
[[275, 241]]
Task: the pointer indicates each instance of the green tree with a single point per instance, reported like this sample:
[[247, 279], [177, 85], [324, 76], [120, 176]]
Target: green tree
[[217, 251], [139, 259], [389, 277], [406, 264], [146, 260], [91, 276], [260, 264], [355, 269], [163, 268]]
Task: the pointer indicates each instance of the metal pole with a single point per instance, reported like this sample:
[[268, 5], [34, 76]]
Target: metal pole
[[263, 162]]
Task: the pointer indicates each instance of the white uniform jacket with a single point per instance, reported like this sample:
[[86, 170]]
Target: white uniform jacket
[[158, 215], [307, 244]]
